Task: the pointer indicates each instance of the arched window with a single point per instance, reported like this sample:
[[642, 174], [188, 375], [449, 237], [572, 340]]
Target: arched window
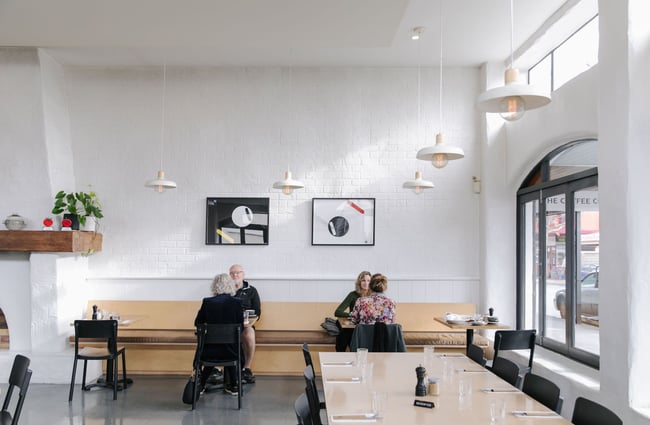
[[558, 238], [4, 332]]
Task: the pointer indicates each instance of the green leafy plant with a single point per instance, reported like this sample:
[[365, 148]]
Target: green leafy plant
[[83, 204]]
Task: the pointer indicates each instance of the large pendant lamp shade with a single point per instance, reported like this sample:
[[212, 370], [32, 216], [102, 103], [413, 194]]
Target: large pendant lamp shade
[[288, 185], [440, 154], [418, 184], [160, 183], [513, 99]]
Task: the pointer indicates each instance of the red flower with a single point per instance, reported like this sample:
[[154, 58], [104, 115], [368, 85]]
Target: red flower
[[48, 222], [66, 222]]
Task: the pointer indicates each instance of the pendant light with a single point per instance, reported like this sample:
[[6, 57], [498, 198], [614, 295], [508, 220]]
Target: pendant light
[[417, 185], [160, 183], [440, 154], [513, 99], [288, 185]]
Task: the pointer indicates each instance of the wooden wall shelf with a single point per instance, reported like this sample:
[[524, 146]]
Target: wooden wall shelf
[[49, 241]]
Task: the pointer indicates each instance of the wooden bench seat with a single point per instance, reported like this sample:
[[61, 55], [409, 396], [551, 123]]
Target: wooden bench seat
[[162, 340]]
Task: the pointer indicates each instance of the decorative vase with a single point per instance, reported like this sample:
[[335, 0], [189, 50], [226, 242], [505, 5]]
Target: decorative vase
[[15, 222], [74, 219]]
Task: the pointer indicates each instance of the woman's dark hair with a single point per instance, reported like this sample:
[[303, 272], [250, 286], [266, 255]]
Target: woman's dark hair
[[378, 282]]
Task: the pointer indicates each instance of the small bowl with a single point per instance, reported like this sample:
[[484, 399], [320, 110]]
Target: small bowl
[[492, 319]]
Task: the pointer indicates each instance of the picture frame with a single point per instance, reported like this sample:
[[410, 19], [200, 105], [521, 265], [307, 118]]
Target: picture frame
[[343, 221], [237, 221]]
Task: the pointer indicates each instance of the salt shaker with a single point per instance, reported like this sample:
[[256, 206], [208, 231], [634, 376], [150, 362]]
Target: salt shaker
[[420, 388], [434, 388]]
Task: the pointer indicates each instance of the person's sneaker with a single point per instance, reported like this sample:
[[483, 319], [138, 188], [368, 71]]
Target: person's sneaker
[[216, 377], [247, 376], [232, 389]]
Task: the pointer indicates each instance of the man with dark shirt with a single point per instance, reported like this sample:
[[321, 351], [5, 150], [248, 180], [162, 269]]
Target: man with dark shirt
[[251, 301]]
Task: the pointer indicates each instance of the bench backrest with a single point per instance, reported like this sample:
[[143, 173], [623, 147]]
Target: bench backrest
[[299, 316]]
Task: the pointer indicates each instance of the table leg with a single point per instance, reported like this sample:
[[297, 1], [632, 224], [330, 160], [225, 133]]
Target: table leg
[[470, 339]]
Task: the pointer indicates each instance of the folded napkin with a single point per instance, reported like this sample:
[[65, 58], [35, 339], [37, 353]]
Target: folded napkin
[[500, 390], [348, 363], [351, 380], [535, 414], [457, 355], [354, 417], [472, 370]]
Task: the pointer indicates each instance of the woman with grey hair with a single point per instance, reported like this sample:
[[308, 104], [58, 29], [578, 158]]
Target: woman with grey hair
[[223, 284], [222, 307]]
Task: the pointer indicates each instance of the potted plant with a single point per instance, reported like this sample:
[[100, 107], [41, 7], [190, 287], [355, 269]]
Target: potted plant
[[80, 205]]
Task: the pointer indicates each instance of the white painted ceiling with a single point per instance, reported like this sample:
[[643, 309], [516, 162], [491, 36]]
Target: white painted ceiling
[[272, 32]]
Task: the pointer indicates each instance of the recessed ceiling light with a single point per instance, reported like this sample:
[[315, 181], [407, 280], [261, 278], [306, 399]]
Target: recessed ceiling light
[[417, 33]]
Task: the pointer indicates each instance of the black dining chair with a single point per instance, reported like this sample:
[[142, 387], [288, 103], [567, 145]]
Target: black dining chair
[[587, 412], [506, 370], [514, 340], [312, 395], [544, 391], [18, 378], [380, 337], [217, 334], [103, 332], [308, 362], [476, 353], [301, 407]]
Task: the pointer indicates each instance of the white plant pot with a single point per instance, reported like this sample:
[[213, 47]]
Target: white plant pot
[[90, 226]]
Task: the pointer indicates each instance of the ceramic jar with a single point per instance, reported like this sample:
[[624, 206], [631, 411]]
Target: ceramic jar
[[15, 222]]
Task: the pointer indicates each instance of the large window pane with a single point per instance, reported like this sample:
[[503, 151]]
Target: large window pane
[[555, 314], [576, 55], [587, 270], [540, 74], [531, 264]]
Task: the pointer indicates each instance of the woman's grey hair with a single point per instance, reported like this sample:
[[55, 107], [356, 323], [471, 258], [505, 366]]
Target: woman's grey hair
[[223, 284]]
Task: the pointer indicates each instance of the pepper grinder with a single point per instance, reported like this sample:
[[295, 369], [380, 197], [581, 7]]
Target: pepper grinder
[[94, 312], [420, 388], [491, 311]]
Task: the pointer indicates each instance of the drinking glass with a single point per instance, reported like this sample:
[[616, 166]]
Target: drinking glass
[[464, 388], [378, 404], [245, 317], [497, 411], [428, 357], [362, 356], [366, 373]]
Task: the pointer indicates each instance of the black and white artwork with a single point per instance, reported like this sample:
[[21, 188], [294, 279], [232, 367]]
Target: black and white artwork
[[343, 221], [237, 221]]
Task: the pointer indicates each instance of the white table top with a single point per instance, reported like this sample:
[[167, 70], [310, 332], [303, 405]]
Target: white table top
[[394, 374]]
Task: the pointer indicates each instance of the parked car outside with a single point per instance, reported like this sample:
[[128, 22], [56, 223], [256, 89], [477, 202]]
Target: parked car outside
[[587, 302]]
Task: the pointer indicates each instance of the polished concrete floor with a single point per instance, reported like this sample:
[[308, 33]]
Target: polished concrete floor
[[157, 400]]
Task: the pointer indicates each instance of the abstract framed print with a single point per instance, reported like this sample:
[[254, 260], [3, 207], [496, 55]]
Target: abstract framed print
[[237, 221], [343, 221]]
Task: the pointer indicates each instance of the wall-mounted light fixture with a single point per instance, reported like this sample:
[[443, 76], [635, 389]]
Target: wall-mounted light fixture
[[417, 184], [476, 185]]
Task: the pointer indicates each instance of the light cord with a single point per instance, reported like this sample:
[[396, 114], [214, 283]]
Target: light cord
[[512, 31], [440, 75], [162, 130]]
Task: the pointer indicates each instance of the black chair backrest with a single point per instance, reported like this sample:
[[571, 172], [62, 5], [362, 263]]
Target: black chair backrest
[[222, 333], [18, 378], [312, 395], [515, 340], [476, 353], [307, 354], [96, 329], [587, 412], [543, 390], [301, 407], [506, 370], [379, 337]]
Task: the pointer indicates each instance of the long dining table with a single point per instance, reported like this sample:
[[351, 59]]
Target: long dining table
[[348, 397]]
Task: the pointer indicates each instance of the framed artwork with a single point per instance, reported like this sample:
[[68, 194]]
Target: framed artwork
[[237, 221], [343, 221]]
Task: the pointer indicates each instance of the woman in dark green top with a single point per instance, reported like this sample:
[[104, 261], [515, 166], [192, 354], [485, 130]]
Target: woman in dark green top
[[361, 289]]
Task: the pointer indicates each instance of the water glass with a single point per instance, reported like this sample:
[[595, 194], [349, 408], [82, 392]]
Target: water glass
[[464, 388], [497, 411], [362, 356], [378, 404], [366, 373], [246, 317], [428, 357]]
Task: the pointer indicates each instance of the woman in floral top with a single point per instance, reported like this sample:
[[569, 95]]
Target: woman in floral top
[[376, 307]]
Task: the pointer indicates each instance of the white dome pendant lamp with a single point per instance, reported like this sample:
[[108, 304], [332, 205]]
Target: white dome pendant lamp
[[440, 154], [418, 184], [288, 185], [160, 183], [513, 99]]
